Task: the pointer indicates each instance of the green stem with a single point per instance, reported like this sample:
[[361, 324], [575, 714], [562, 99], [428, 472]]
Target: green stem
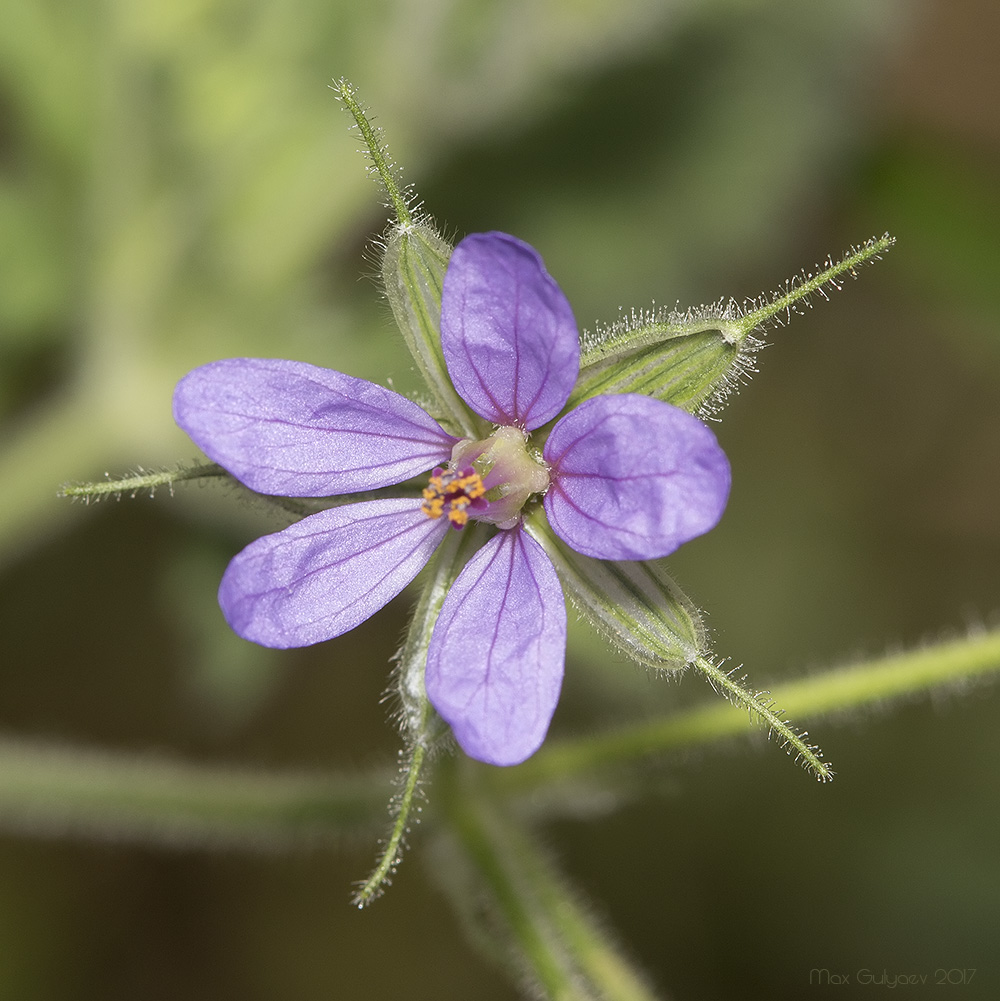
[[376, 151], [391, 856], [562, 947], [762, 706], [62, 790], [141, 482], [894, 676], [597, 957], [532, 940], [798, 290]]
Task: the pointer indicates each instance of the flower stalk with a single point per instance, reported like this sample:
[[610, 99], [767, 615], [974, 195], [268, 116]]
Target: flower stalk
[[552, 938]]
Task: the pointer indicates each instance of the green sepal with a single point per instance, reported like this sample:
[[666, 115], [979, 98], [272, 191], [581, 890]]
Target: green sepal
[[695, 359], [636, 606], [419, 721], [685, 362], [413, 266], [415, 258]]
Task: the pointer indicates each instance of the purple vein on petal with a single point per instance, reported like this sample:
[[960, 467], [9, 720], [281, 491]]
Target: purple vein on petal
[[633, 478], [496, 410], [329, 572], [289, 428], [494, 666], [507, 331]]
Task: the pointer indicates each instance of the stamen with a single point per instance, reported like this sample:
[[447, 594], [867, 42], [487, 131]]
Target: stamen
[[453, 492]]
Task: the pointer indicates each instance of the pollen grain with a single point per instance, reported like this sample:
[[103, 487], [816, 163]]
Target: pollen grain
[[452, 493]]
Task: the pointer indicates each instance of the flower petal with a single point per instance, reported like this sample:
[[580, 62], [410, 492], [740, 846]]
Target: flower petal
[[285, 427], [329, 572], [508, 333], [633, 478], [495, 661]]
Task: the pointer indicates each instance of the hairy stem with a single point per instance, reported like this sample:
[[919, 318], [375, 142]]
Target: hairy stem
[[798, 290], [555, 941], [58, 791], [421, 725], [762, 707], [375, 150], [141, 481], [894, 676], [391, 855]]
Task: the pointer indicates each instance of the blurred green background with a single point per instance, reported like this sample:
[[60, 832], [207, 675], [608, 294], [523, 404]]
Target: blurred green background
[[177, 184]]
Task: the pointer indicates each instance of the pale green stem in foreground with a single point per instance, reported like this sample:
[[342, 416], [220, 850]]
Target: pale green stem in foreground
[[55, 791], [566, 951], [376, 151], [894, 676]]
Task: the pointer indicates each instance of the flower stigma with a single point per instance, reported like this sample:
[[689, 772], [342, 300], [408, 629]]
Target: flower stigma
[[489, 479]]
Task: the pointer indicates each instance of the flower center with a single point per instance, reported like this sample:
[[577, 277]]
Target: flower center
[[453, 492], [489, 480]]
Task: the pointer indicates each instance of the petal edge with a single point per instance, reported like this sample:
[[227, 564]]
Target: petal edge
[[507, 331], [297, 430], [326, 574], [496, 656]]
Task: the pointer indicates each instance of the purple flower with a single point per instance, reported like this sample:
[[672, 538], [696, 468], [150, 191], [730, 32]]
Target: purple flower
[[622, 477]]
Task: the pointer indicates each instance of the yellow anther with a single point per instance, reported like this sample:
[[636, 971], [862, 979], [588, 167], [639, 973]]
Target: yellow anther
[[472, 485], [452, 491], [433, 507]]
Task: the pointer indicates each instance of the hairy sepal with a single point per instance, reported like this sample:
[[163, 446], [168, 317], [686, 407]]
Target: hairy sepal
[[685, 360], [413, 267], [420, 723], [698, 358], [635, 606], [423, 730]]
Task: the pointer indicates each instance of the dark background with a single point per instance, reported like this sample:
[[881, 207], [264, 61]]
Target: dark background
[[177, 184]]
